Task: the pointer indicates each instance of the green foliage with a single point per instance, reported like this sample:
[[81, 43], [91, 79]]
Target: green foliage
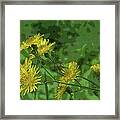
[[75, 40]]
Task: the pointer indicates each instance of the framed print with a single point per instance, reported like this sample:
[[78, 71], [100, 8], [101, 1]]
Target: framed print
[[60, 59]]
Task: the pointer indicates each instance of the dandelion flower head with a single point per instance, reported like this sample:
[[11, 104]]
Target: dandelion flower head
[[70, 73], [44, 46], [29, 77], [96, 68]]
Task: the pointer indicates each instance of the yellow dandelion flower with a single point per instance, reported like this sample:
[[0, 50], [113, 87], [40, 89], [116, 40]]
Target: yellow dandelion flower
[[24, 45], [70, 73], [60, 91], [34, 40], [96, 68], [45, 47], [29, 77]]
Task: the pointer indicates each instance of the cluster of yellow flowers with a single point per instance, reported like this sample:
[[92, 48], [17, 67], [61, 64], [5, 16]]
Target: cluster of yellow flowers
[[70, 73], [96, 68], [29, 77], [42, 44], [29, 74]]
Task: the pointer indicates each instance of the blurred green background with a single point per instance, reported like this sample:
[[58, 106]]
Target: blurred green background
[[76, 40]]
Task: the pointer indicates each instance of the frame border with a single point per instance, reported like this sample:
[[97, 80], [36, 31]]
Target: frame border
[[52, 2]]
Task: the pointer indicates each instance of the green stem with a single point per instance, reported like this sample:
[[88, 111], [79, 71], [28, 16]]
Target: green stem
[[48, 72], [71, 96], [34, 95], [90, 81], [46, 87], [54, 64], [76, 85], [77, 81]]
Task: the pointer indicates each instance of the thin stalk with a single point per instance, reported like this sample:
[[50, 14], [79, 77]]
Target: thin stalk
[[34, 95], [76, 85], [77, 81], [46, 87], [71, 96], [48, 72], [89, 81], [54, 64]]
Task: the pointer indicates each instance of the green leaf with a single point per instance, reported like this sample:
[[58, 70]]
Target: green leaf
[[22, 58]]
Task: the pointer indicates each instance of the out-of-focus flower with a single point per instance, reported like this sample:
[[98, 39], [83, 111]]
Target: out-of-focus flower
[[95, 68]]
